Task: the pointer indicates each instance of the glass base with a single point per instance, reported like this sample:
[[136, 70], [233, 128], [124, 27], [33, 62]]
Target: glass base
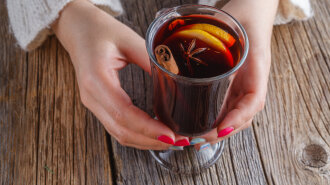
[[189, 160]]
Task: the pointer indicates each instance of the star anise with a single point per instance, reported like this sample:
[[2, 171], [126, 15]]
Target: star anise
[[189, 54]]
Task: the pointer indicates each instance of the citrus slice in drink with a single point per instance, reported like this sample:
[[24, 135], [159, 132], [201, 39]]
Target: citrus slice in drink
[[209, 39], [219, 33], [175, 23]]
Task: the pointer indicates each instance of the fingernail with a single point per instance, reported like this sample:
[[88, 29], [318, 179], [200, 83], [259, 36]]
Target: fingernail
[[165, 139], [176, 148], [204, 147], [182, 142], [197, 140], [225, 131]]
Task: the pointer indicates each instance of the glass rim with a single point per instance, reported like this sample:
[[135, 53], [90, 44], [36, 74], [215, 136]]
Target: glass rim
[[189, 79]]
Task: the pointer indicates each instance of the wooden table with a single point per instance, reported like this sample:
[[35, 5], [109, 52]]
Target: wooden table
[[48, 137]]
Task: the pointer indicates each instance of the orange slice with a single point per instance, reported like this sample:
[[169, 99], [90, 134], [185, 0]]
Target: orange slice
[[209, 39], [175, 23], [213, 30]]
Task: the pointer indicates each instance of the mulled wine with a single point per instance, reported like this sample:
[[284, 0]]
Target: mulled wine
[[202, 47], [194, 47]]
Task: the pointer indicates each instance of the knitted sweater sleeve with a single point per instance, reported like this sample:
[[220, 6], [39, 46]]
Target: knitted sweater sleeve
[[30, 19], [288, 10]]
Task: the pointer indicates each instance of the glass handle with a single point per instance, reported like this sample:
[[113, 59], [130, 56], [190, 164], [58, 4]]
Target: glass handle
[[161, 11]]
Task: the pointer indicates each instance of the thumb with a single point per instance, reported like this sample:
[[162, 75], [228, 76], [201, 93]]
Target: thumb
[[134, 49]]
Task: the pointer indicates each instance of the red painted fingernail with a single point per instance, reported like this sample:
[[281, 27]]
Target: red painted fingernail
[[182, 142], [165, 139], [225, 131]]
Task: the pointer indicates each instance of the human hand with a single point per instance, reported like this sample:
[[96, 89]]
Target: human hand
[[247, 90], [99, 47]]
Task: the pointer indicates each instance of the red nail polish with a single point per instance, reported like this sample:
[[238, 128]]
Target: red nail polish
[[225, 131], [165, 139], [182, 142]]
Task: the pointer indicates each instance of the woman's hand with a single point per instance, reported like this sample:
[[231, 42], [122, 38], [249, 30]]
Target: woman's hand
[[247, 91], [99, 47]]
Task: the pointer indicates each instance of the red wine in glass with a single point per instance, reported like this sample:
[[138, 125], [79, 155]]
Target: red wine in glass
[[193, 50]]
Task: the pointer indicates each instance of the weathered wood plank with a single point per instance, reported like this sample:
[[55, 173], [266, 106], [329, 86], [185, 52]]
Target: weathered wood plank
[[63, 118], [79, 141], [297, 114], [46, 134], [17, 140], [46, 59]]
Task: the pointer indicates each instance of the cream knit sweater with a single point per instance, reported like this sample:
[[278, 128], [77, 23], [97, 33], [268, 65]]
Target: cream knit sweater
[[30, 19]]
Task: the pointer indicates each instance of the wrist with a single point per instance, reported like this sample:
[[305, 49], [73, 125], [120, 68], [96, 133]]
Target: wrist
[[247, 11], [257, 17], [68, 7], [70, 22]]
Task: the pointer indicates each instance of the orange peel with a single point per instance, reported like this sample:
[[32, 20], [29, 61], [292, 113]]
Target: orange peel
[[209, 39], [219, 33]]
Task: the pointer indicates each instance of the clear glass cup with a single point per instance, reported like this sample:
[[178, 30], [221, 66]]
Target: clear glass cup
[[178, 100]]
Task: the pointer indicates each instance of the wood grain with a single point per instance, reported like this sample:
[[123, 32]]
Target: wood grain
[[17, 140], [297, 112], [46, 134], [48, 137]]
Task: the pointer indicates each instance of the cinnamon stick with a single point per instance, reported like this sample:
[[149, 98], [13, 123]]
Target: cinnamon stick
[[165, 58]]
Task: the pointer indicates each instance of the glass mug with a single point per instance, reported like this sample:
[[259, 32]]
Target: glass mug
[[191, 106]]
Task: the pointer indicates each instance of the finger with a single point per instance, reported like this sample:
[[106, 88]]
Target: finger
[[233, 120], [108, 112], [124, 135], [244, 126], [210, 136], [208, 143], [202, 146], [130, 138], [141, 122], [203, 142], [244, 111], [135, 51], [119, 106], [181, 140]]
